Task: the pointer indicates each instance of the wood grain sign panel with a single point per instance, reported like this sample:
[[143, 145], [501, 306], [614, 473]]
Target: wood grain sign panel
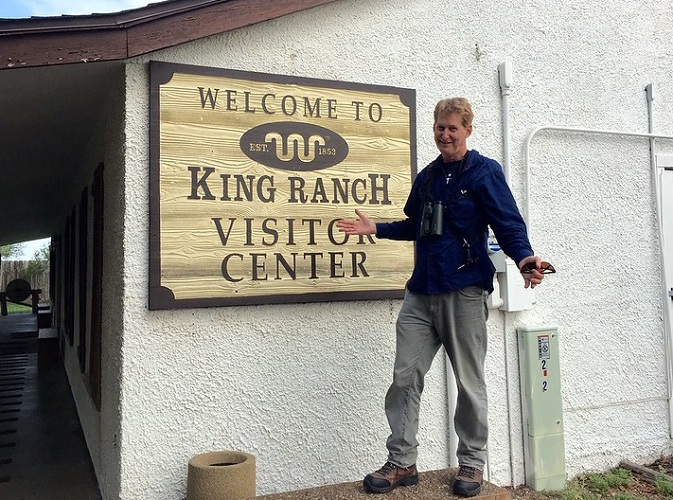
[[251, 171]]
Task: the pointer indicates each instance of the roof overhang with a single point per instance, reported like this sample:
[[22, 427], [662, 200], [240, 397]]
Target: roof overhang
[[45, 41], [49, 99]]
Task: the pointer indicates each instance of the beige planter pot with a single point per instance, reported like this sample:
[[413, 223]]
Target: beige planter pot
[[221, 475]]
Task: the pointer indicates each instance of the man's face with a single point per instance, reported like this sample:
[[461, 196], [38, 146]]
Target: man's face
[[451, 136]]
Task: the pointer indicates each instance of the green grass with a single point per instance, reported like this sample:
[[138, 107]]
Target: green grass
[[664, 486], [601, 484], [615, 484], [571, 493], [597, 486], [13, 308]]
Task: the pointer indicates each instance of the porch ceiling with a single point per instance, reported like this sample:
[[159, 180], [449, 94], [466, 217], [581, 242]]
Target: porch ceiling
[[54, 75], [45, 122]]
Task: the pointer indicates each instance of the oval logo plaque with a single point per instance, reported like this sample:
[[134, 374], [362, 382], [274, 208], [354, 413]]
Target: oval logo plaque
[[294, 146]]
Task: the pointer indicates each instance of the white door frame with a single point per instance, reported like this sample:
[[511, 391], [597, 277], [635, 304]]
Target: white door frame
[[664, 187]]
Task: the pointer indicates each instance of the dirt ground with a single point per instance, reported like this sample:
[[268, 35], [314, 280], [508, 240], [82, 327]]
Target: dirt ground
[[639, 487]]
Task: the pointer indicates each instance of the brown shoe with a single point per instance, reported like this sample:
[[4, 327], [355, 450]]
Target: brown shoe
[[389, 477], [468, 481]]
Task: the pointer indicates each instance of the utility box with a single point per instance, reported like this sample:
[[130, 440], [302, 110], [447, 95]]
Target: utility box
[[515, 297], [544, 448]]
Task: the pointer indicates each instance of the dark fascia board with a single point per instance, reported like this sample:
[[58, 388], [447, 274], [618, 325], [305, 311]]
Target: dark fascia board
[[46, 41]]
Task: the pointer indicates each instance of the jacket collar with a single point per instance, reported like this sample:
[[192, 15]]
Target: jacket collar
[[468, 161]]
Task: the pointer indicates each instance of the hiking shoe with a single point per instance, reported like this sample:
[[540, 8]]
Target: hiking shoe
[[468, 481], [389, 477]]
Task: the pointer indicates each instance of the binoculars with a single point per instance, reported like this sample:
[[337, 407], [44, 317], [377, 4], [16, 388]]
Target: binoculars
[[432, 220]]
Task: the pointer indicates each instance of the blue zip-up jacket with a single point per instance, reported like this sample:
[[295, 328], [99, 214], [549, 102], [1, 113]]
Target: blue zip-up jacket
[[478, 196]]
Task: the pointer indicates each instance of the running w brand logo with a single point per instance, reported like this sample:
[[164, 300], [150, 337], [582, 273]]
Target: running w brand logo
[[294, 146]]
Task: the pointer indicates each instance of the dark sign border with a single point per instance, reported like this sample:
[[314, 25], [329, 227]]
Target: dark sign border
[[163, 298]]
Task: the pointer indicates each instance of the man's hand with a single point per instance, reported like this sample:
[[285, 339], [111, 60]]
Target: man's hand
[[534, 277], [361, 225]]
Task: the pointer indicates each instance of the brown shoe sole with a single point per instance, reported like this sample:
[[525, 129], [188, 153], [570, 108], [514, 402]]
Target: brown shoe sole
[[405, 481], [463, 489]]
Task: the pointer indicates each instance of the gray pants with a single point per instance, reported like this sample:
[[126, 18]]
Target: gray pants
[[458, 321]]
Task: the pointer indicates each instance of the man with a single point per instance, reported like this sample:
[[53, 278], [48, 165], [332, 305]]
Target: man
[[451, 204]]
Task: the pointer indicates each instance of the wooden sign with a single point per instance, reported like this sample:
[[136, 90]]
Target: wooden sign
[[250, 173]]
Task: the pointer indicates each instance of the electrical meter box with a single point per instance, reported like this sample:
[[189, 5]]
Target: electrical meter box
[[544, 449]]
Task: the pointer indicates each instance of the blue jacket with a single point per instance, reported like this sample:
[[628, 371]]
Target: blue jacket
[[477, 196]]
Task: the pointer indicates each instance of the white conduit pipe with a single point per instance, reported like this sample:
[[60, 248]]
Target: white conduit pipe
[[535, 131], [668, 335], [668, 341], [505, 76], [650, 128], [506, 79], [452, 395]]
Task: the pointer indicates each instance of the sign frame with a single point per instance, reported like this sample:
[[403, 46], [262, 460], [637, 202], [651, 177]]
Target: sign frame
[[161, 297]]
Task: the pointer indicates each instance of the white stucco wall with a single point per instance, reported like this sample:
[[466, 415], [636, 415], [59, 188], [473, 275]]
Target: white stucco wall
[[301, 386], [102, 429]]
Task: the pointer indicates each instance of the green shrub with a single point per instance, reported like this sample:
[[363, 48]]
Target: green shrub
[[601, 484], [619, 477], [664, 486], [597, 483]]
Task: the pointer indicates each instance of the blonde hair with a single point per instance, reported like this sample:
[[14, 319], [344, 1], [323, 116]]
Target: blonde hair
[[458, 105]]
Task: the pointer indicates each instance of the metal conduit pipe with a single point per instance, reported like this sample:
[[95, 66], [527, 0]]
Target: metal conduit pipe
[[668, 340], [536, 130], [505, 79], [452, 395], [505, 76]]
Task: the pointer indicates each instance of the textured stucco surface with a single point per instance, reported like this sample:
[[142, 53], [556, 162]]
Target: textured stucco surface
[[102, 429], [301, 386]]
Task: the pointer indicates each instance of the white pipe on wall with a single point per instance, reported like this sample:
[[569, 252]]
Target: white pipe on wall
[[452, 395], [536, 130], [506, 79], [505, 75], [668, 340], [656, 184]]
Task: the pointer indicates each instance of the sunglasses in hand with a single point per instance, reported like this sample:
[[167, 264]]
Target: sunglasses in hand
[[545, 268]]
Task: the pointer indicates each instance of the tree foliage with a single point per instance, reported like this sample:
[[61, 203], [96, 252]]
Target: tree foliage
[[11, 250], [39, 263]]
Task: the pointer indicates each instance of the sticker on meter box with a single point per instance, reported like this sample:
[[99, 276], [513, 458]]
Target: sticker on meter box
[[543, 346]]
